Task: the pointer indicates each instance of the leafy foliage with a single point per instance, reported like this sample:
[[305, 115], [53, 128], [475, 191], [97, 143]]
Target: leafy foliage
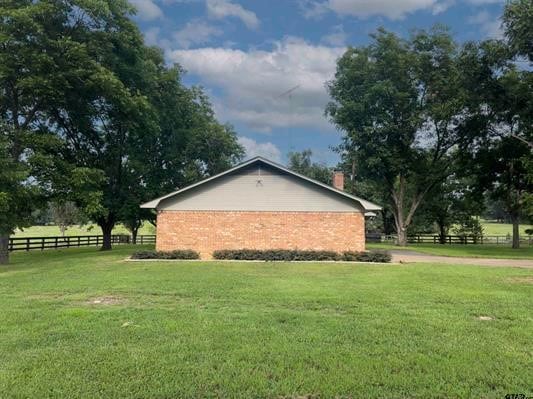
[[401, 106], [94, 116], [301, 163], [300, 255], [517, 18], [377, 256]]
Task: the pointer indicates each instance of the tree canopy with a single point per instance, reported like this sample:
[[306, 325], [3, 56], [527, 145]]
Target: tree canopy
[[401, 106], [91, 114]]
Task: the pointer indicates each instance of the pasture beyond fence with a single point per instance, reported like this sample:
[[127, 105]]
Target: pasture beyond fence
[[451, 239], [56, 242]]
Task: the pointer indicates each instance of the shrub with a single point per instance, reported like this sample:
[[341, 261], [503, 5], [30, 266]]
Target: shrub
[[177, 254], [144, 255], [274, 254], [294, 255], [368, 256]]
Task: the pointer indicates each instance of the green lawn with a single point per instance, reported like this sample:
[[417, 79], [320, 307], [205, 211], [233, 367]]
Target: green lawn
[[91, 229], [502, 229], [471, 251], [250, 330]]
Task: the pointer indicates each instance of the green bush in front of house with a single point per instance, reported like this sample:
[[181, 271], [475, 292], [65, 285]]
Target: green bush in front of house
[[177, 254], [274, 254], [367, 256], [300, 255]]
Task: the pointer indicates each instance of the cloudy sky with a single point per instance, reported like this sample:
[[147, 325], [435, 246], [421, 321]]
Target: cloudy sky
[[264, 63]]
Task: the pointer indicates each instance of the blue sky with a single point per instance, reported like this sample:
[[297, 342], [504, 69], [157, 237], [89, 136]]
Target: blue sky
[[247, 53]]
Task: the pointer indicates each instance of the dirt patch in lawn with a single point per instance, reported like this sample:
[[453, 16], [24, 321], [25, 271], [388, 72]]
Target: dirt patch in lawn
[[106, 300], [485, 318]]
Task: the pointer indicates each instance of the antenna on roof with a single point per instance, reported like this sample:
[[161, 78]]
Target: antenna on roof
[[288, 94]]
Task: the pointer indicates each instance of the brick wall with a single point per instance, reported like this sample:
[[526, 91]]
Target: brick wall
[[206, 231]]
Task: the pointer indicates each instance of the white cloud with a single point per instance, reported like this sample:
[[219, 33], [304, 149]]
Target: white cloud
[[442, 6], [219, 9], [490, 25], [147, 10], [337, 37], [253, 149], [253, 80], [195, 32], [392, 9]]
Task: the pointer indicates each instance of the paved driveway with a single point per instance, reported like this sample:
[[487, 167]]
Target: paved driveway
[[406, 256]]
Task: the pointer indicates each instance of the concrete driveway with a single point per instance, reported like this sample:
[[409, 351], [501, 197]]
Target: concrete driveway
[[406, 256]]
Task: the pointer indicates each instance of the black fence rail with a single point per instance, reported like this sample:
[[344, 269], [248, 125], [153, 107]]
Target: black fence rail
[[451, 239], [56, 242]]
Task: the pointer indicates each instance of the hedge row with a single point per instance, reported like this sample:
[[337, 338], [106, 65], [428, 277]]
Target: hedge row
[[295, 255], [177, 254]]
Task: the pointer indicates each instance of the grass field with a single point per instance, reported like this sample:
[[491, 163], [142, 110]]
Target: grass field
[[470, 251], [502, 229], [91, 229], [80, 323]]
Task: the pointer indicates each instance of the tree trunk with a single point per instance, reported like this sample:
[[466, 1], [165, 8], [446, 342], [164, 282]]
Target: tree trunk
[[134, 233], [402, 237], [401, 220], [516, 232], [442, 232], [4, 249], [107, 228]]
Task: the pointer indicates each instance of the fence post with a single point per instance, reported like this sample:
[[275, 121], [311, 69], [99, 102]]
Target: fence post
[[56, 243], [42, 243], [28, 244]]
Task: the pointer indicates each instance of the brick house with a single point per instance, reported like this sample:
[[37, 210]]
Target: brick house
[[260, 204]]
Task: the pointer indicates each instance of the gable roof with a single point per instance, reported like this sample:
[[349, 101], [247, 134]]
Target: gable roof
[[366, 205]]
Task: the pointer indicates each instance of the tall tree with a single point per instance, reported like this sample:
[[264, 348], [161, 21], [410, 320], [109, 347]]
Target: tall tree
[[517, 18], [400, 104], [77, 79], [499, 83], [37, 64]]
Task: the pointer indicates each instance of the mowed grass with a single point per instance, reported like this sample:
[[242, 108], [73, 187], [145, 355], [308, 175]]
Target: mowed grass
[[470, 250], [502, 229], [80, 323]]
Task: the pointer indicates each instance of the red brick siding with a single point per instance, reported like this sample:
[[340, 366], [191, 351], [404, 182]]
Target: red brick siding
[[207, 231]]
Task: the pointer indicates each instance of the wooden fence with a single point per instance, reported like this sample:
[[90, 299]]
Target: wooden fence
[[451, 239], [42, 243]]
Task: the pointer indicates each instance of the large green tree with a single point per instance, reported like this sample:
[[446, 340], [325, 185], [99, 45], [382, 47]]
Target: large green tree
[[94, 116], [37, 64], [401, 107], [517, 18], [143, 129], [499, 82]]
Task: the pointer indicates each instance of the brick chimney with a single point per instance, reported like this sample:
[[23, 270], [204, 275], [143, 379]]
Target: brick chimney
[[338, 180]]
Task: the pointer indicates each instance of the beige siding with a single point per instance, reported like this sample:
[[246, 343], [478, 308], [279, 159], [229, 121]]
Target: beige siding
[[259, 189]]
